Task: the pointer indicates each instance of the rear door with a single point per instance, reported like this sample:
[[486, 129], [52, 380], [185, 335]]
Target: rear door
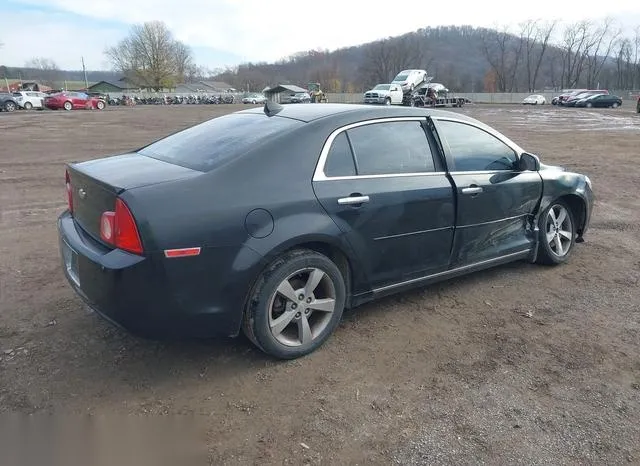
[[495, 200], [381, 184]]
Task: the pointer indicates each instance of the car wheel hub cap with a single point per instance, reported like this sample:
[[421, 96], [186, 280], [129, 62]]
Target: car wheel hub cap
[[559, 231], [302, 307]]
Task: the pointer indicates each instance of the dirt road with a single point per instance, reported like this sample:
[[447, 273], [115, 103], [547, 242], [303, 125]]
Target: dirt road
[[521, 364]]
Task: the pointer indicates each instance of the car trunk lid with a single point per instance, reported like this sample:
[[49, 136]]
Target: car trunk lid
[[95, 185]]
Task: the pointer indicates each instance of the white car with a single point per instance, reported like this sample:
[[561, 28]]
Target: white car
[[535, 99], [409, 79], [30, 99]]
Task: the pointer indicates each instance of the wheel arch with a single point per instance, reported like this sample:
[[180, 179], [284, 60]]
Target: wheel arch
[[578, 208]]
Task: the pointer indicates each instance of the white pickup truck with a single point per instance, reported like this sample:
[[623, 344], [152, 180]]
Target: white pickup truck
[[387, 94]]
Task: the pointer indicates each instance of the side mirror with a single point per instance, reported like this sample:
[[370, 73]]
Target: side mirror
[[529, 162]]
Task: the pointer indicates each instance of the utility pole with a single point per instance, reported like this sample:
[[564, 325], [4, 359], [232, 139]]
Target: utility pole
[[84, 70]]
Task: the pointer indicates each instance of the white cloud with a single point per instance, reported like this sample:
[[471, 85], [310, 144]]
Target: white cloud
[[261, 30]]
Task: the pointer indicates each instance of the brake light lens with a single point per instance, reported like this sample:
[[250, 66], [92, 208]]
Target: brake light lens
[[69, 191], [119, 229]]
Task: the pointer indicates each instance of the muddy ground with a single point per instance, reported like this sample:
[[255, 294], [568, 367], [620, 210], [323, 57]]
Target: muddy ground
[[520, 364]]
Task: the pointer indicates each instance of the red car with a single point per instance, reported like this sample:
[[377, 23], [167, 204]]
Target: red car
[[73, 100]]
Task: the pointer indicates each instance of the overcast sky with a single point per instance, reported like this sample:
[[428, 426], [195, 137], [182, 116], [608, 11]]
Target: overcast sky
[[226, 32]]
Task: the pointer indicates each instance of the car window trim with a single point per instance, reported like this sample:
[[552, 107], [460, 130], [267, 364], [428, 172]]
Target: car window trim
[[501, 137], [319, 174]]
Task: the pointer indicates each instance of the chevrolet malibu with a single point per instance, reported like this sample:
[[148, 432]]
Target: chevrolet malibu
[[272, 221]]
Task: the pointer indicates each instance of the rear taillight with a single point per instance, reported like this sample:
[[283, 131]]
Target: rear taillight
[[119, 229], [69, 191]]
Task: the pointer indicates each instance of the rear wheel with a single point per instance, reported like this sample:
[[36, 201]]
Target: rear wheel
[[615, 105], [296, 305], [100, 105], [28, 105], [557, 234], [68, 105]]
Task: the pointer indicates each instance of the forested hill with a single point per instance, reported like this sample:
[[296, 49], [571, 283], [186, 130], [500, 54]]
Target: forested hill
[[465, 59]]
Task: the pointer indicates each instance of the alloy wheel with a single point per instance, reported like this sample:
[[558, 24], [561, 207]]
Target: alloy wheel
[[302, 307], [559, 230]]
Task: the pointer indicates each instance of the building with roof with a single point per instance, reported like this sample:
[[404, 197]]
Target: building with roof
[[211, 87], [281, 92], [106, 87]]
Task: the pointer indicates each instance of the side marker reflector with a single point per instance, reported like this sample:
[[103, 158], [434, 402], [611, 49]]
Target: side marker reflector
[[184, 252]]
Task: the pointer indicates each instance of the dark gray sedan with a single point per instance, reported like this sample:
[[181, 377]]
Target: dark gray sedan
[[274, 220]]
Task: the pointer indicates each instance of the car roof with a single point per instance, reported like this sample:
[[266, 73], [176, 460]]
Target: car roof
[[311, 112]]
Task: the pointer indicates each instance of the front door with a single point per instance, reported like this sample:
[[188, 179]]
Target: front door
[[495, 200], [393, 201]]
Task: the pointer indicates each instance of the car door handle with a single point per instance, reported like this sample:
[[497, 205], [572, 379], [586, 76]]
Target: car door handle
[[472, 190], [353, 200]]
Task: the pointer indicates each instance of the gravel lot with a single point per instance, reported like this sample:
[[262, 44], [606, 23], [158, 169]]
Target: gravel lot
[[520, 364]]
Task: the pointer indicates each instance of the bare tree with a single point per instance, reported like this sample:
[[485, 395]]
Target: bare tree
[[386, 58], [43, 69], [502, 50], [183, 59], [536, 40], [599, 49], [151, 56], [577, 41]]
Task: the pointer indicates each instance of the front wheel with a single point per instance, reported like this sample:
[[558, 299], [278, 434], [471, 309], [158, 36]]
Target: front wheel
[[10, 106], [28, 105], [100, 105], [68, 105], [615, 105], [557, 234], [296, 305]]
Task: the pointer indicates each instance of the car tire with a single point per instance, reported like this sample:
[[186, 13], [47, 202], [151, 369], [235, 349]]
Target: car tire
[[299, 319], [555, 223], [387, 101], [68, 105], [100, 105], [589, 105], [9, 107], [614, 105], [28, 105]]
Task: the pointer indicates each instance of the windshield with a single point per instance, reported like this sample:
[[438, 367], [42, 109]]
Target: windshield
[[401, 77], [209, 144], [382, 87]]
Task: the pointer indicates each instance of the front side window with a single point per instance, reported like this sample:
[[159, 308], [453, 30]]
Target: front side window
[[473, 149]]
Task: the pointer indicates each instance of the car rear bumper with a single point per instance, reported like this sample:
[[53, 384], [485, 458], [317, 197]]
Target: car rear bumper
[[145, 296]]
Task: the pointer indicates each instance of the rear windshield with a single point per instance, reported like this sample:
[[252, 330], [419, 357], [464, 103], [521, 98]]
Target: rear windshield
[[209, 144]]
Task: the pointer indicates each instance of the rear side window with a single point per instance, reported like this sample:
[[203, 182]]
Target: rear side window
[[340, 159], [207, 145], [391, 148]]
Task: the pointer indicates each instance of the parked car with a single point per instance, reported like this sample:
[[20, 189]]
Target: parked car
[[566, 93], [198, 234], [535, 99], [387, 94], [254, 99], [69, 100], [300, 98], [8, 102], [571, 100], [409, 79], [638, 105], [30, 99], [600, 101]]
